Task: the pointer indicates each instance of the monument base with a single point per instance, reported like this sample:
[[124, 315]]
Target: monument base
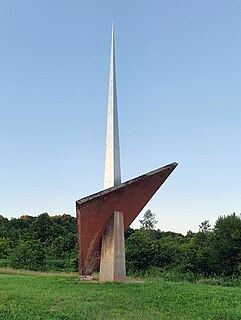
[[112, 262], [86, 278]]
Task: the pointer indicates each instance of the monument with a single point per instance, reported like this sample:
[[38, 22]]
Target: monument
[[103, 217]]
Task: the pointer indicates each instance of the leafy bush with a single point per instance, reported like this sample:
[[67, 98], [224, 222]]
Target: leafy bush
[[28, 255]]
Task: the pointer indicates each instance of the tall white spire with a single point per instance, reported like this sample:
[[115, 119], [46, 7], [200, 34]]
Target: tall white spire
[[112, 155]]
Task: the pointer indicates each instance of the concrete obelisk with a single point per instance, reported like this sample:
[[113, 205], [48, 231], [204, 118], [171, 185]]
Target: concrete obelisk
[[112, 156], [112, 263]]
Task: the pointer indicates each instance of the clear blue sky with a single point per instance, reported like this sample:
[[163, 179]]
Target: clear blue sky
[[179, 99]]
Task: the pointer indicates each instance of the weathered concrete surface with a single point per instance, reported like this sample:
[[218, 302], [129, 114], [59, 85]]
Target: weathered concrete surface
[[112, 262], [94, 212], [112, 155]]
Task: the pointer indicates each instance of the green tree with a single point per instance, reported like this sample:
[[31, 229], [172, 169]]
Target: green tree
[[129, 231], [45, 229], [28, 255], [196, 252], [205, 226], [140, 251], [226, 251], [5, 248], [148, 222], [167, 251]]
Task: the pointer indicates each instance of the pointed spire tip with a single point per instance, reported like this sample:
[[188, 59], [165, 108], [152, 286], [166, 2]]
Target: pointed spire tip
[[112, 29]]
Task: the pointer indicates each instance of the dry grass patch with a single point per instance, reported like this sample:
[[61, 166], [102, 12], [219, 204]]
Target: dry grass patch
[[37, 273]]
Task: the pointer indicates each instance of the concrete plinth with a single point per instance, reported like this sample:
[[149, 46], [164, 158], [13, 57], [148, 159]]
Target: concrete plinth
[[112, 263]]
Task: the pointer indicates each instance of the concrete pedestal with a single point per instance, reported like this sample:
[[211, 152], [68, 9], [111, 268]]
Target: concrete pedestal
[[112, 263]]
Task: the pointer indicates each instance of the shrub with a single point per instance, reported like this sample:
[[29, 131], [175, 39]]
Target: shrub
[[28, 255]]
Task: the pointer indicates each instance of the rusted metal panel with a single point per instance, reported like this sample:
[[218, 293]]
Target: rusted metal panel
[[94, 212]]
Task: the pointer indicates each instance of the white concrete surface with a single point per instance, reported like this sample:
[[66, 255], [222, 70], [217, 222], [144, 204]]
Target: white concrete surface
[[112, 157], [112, 262]]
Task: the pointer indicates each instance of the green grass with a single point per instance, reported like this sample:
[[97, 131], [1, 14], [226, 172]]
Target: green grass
[[35, 297]]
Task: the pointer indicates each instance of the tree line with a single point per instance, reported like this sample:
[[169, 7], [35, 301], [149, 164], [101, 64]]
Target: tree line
[[49, 243], [39, 243]]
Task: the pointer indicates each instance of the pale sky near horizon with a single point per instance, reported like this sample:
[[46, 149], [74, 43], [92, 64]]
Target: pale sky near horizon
[[179, 99]]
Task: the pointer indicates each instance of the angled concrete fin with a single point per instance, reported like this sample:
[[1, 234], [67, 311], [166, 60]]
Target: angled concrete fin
[[94, 212]]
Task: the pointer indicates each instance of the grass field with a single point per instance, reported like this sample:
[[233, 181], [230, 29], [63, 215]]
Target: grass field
[[37, 296]]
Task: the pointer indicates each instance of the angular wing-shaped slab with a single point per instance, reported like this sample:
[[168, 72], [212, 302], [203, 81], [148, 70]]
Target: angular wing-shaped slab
[[94, 212]]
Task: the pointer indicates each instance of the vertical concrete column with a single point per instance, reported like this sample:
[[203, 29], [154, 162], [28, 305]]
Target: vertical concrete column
[[112, 263]]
